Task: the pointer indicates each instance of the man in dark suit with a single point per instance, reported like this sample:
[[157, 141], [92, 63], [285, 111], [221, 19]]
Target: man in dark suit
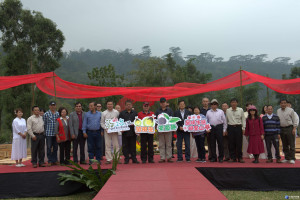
[[182, 113], [75, 123]]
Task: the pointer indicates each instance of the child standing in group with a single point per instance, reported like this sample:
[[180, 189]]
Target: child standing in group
[[255, 132]]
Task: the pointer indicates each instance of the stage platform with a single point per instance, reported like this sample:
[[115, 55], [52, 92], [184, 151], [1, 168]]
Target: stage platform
[[161, 180]]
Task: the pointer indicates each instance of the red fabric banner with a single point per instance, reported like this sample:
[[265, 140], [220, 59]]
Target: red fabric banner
[[65, 89]]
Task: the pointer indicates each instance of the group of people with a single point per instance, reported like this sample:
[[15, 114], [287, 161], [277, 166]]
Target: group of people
[[224, 139]]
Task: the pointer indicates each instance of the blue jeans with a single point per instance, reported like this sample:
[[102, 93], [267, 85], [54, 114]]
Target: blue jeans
[[51, 143], [200, 139], [94, 142], [186, 137]]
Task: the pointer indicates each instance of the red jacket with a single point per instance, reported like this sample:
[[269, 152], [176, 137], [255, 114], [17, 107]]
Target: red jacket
[[142, 114], [61, 130], [254, 127]]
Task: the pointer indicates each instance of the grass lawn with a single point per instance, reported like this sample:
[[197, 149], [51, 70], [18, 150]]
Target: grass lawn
[[78, 196], [249, 195]]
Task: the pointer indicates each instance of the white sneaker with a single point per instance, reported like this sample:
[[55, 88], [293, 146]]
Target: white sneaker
[[292, 162], [251, 156], [284, 161], [22, 165], [18, 165]]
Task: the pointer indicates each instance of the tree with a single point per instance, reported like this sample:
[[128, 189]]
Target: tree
[[146, 52], [32, 44], [106, 76]]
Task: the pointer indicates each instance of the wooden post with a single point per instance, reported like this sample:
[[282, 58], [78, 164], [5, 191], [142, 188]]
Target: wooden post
[[54, 85], [241, 87], [32, 87], [268, 94]]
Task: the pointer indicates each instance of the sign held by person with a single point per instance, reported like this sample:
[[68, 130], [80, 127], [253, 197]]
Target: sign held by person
[[196, 123], [117, 125]]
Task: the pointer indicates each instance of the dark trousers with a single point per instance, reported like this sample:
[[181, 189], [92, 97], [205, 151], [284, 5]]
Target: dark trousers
[[147, 140], [129, 147], [288, 142], [64, 151], [51, 149], [272, 139], [235, 137], [38, 149], [200, 140], [173, 144], [208, 146], [216, 135], [80, 140], [94, 142], [180, 137], [226, 148]]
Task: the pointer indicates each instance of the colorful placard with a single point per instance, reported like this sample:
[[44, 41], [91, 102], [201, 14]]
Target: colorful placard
[[145, 125], [196, 123], [117, 125], [167, 123]]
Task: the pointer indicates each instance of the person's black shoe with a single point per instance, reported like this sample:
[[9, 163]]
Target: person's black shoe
[[220, 161], [151, 161], [227, 159], [83, 162], [135, 161], [241, 161], [213, 160], [188, 160], [232, 160], [173, 156], [179, 160], [198, 160], [143, 161], [126, 161]]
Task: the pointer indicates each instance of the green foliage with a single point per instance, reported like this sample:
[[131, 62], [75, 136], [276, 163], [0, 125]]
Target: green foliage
[[32, 44], [106, 76], [93, 180], [116, 160]]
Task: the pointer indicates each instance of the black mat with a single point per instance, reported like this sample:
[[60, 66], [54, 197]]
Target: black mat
[[258, 179]]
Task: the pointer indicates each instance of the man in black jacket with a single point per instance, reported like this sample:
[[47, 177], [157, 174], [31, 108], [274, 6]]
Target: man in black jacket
[[182, 113], [129, 137]]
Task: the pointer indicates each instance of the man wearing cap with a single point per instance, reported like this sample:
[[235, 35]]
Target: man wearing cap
[[146, 138], [217, 120], [49, 125], [236, 129], [182, 113], [165, 138]]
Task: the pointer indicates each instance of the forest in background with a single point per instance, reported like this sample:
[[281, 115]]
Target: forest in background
[[31, 43]]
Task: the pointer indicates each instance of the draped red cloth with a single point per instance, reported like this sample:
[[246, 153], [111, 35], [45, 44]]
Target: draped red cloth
[[64, 89]]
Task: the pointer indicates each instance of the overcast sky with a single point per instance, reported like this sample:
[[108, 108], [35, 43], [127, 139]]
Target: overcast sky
[[221, 27]]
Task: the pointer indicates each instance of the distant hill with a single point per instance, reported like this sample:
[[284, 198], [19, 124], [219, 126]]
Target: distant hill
[[76, 64]]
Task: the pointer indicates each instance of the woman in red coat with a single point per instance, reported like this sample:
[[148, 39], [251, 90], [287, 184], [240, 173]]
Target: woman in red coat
[[255, 131]]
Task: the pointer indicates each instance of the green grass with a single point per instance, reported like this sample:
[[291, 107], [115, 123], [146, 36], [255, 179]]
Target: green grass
[[249, 195], [78, 196]]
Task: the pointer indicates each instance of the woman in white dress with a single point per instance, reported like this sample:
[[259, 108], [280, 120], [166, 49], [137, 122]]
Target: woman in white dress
[[19, 145]]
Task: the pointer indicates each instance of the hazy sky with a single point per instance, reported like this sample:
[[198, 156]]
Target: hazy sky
[[221, 27]]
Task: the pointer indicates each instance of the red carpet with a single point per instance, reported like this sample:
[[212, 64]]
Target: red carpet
[[159, 180]]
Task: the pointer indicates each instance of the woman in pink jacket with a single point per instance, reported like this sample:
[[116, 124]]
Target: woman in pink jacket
[[255, 131]]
